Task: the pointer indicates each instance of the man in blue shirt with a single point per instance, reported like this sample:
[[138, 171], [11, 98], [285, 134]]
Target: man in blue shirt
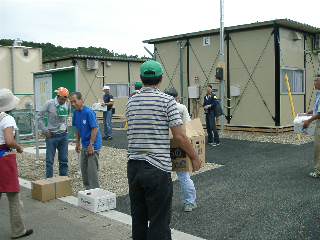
[[107, 114], [85, 121], [209, 103], [315, 117]]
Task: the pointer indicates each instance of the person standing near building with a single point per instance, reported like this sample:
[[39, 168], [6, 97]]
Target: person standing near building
[[137, 88], [56, 112], [86, 123], [107, 114], [9, 182], [306, 124], [186, 184], [151, 114], [209, 103]]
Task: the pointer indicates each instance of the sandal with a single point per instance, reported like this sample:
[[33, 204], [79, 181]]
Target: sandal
[[27, 233]]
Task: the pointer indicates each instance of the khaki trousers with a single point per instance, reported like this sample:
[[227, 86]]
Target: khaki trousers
[[317, 147], [17, 225]]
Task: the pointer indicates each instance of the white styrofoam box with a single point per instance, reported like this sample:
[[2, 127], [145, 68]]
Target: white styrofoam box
[[298, 125], [98, 107], [97, 200], [194, 92]]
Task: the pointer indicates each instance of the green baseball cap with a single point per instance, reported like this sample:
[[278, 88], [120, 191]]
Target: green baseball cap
[[138, 85], [151, 69]]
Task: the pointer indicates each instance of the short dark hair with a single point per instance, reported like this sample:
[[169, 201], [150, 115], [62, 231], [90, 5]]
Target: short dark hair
[[210, 86], [150, 81], [77, 94], [172, 92]]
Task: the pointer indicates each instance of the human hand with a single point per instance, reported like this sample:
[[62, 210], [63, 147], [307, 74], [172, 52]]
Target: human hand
[[78, 147], [48, 134], [196, 164], [19, 149], [90, 150], [206, 107], [306, 124]]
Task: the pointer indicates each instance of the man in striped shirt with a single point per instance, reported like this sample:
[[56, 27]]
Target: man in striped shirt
[[151, 114]]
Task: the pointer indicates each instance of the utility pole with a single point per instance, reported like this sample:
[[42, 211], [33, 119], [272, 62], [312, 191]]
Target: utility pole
[[222, 61]]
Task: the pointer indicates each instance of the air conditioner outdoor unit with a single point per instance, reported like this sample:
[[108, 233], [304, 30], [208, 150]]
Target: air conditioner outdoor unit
[[316, 43], [92, 64]]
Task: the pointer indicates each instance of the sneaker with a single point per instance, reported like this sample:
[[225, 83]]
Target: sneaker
[[109, 138], [214, 144], [188, 207], [314, 174]]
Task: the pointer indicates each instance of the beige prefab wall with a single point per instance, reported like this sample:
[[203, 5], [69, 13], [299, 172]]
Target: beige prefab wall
[[168, 54], [312, 68], [248, 47], [292, 57], [202, 66], [203, 62], [15, 66], [90, 82]]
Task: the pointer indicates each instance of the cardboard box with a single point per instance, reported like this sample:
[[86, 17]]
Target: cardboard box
[[298, 125], [63, 186], [51, 188], [43, 190], [180, 161], [97, 200]]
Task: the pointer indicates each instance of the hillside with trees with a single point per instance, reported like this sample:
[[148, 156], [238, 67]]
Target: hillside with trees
[[50, 50]]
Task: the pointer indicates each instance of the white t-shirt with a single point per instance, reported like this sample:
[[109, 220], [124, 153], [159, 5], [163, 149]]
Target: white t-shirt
[[183, 112], [6, 122]]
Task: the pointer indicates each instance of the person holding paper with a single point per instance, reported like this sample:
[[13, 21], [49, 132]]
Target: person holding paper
[[107, 113], [306, 124]]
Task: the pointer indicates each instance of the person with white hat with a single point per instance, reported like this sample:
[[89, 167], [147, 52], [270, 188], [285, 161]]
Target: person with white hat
[[9, 182], [56, 111], [107, 114]]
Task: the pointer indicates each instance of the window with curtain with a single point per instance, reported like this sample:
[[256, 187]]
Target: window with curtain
[[296, 81], [119, 90]]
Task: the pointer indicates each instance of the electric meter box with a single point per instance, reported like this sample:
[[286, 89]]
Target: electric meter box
[[235, 91], [194, 92]]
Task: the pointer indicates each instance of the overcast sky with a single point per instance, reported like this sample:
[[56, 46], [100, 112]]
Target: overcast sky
[[121, 25]]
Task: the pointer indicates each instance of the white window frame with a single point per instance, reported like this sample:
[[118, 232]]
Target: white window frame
[[283, 84], [114, 94]]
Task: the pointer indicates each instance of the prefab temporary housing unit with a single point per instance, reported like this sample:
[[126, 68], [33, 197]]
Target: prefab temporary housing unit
[[17, 64], [95, 72], [257, 57]]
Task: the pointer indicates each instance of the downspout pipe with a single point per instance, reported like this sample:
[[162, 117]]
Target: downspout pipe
[[13, 86], [277, 74], [228, 79], [305, 71], [181, 48], [188, 70]]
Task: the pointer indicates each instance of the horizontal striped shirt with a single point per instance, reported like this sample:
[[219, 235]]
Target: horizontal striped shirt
[[150, 114]]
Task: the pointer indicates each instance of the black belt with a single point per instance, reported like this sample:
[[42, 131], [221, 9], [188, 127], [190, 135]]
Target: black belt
[[58, 134]]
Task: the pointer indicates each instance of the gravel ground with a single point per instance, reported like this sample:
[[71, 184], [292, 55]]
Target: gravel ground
[[113, 167], [281, 138]]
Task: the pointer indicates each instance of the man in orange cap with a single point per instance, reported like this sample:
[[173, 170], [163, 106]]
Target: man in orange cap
[[56, 111]]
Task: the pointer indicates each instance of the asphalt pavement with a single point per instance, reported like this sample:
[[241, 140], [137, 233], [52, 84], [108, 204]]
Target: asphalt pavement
[[56, 220], [263, 191]]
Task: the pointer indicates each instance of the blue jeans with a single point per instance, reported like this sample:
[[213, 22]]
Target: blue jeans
[[107, 121], [213, 135], [60, 143], [187, 187]]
